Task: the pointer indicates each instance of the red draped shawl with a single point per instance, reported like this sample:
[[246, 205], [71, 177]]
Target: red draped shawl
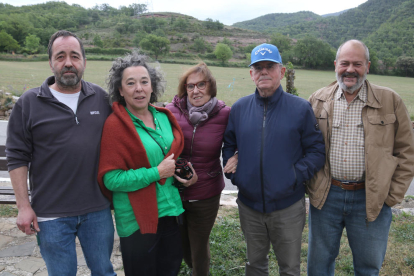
[[121, 148]]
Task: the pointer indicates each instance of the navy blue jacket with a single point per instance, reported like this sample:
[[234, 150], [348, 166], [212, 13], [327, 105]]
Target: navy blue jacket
[[280, 147]]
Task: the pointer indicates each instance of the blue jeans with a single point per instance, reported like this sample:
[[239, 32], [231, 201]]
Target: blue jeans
[[367, 240], [57, 245]]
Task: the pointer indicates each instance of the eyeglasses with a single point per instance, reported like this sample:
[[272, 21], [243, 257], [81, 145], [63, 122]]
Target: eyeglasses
[[200, 85], [269, 67]]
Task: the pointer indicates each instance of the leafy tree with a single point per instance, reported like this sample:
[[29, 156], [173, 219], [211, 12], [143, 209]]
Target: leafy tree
[[138, 8], [313, 53], [195, 36], [159, 32], [223, 52], [388, 62], [213, 25], [200, 45], [180, 25], [121, 28], [228, 43], [155, 44], [44, 34], [290, 79], [18, 26], [7, 42], [138, 37], [283, 43], [95, 17], [97, 41], [405, 66], [248, 49], [248, 58], [374, 67], [32, 43], [67, 24], [151, 24]]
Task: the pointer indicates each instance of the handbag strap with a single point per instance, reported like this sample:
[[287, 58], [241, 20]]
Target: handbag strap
[[155, 140]]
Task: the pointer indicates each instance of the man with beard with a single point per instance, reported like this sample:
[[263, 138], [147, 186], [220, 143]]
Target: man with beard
[[279, 148], [54, 132], [369, 165]]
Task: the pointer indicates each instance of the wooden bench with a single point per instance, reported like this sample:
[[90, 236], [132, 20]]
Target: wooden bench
[[6, 193]]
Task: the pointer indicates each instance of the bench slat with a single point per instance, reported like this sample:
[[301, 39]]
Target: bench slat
[[3, 164], [2, 151]]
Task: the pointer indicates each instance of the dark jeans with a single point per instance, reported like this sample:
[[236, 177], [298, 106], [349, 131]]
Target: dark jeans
[[199, 218], [153, 254], [367, 240]]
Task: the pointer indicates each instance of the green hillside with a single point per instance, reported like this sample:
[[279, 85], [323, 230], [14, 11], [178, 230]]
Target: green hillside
[[274, 21], [386, 26], [108, 31], [305, 39]]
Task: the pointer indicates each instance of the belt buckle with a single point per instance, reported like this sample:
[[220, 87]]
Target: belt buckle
[[344, 183]]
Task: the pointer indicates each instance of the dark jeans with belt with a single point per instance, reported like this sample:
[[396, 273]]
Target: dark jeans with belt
[[367, 240], [157, 254], [199, 218]]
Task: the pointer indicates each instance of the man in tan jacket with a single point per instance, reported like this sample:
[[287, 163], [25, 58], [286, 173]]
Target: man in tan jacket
[[369, 165]]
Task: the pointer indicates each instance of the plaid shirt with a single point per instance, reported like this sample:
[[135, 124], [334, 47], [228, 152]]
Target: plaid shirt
[[347, 155]]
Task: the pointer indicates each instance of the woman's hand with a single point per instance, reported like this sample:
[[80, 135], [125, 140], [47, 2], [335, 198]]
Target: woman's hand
[[167, 167], [231, 165], [189, 182]]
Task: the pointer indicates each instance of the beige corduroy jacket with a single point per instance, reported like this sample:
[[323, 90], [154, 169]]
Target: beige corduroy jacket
[[389, 147]]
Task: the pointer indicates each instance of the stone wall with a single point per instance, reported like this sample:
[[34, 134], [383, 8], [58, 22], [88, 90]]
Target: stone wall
[[7, 101]]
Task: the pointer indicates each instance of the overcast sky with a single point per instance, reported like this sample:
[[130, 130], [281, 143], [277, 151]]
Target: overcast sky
[[226, 11]]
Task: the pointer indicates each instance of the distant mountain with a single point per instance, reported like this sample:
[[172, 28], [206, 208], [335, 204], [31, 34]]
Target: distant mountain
[[387, 27], [273, 21], [361, 23], [335, 13]]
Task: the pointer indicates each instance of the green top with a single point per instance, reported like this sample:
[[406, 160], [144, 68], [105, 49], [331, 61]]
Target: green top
[[120, 182]]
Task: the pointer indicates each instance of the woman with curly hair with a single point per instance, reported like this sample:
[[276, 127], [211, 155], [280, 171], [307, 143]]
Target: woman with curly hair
[[140, 143]]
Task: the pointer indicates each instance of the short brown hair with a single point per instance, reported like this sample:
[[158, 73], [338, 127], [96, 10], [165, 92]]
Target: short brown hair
[[199, 68], [63, 33]]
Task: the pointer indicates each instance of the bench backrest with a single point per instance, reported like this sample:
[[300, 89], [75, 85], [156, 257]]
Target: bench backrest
[[3, 161]]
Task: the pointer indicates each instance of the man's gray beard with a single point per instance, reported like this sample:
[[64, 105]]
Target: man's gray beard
[[68, 81], [351, 90]]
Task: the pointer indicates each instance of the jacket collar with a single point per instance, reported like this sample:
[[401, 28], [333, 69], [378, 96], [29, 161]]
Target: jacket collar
[[373, 99], [44, 91], [272, 99]]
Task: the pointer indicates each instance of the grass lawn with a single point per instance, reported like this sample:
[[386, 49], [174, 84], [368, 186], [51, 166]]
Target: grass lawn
[[228, 249], [232, 83]]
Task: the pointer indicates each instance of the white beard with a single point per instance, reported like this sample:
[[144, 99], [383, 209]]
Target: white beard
[[351, 90]]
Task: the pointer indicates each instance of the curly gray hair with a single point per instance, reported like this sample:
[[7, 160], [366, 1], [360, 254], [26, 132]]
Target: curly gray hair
[[114, 80]]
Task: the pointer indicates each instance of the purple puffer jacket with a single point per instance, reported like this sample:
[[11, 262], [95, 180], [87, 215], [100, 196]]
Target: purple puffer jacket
[[202, 147]]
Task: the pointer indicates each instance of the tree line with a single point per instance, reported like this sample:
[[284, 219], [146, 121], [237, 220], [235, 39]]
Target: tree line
[[109, 31], [386, 27]]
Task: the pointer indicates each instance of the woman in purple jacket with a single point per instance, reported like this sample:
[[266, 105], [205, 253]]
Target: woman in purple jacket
[[203, 120]]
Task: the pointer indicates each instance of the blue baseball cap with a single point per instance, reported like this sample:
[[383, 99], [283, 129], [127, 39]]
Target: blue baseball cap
[[265, 52]]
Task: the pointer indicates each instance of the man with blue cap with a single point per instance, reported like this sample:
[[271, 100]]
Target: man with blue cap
[[279, 147]]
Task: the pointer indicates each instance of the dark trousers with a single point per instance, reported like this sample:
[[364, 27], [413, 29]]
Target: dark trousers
[[199, 218], [157, 254], [281, 228]]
